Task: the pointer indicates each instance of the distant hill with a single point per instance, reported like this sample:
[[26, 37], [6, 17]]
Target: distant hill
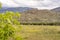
[[40, 16], [56, 9], [15, 9]]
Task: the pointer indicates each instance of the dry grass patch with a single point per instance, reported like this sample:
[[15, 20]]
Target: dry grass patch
[[40, 32]]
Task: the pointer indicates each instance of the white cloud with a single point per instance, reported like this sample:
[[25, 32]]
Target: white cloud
[[40, 4]]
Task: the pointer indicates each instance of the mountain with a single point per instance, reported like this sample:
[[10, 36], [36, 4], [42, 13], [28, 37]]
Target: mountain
[[15, 9], [40, 16], [56, 9]]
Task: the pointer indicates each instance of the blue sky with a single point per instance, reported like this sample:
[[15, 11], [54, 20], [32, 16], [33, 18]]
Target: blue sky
[[40, 4]]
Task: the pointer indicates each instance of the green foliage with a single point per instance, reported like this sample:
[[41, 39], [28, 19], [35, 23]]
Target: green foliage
[[9, 25], [42, 23], [0, 5]]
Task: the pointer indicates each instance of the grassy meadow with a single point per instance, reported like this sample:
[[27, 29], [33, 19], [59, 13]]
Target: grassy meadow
[[40, 32]]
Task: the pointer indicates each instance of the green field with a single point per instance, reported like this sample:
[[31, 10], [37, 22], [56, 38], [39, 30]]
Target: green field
[[40, 32]]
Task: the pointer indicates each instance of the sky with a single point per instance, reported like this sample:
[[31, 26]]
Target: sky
[[40, 4]]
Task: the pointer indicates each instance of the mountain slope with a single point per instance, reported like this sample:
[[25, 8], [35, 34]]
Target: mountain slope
[[56, 9], [15, 9], [40, 16]]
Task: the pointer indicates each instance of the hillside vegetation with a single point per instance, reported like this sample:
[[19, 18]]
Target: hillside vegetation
[[40, 17]]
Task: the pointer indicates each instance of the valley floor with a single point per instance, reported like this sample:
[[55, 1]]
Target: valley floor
[[40, 32]]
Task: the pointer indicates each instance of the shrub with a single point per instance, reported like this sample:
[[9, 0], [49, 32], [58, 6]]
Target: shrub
[[9, 26]]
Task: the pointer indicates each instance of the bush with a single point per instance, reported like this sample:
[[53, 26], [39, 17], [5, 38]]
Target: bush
[[9, 26]]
